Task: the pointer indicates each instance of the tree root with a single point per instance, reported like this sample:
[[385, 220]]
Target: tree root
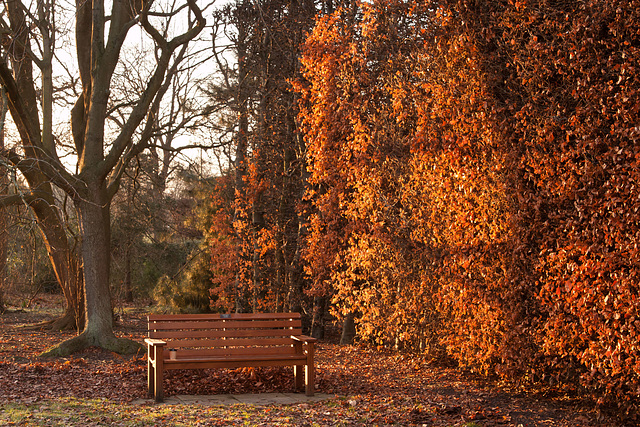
[[64, 323], [35, 326], [85, 340]]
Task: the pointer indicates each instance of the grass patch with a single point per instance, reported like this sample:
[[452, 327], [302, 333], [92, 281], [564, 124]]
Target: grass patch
[[99, 412], [102, 412]]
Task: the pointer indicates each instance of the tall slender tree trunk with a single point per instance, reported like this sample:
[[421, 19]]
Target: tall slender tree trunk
[[3, 250], [72, 289], [348, 329], [4, 182], [318, 322], [242, 99], [128, 287], [65, 264]]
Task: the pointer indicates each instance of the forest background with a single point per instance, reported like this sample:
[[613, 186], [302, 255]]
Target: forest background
[[457, 178]]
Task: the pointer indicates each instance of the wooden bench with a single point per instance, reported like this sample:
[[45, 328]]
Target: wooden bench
[[203, 341]]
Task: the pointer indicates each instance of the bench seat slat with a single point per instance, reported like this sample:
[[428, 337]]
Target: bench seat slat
[[235, 351]]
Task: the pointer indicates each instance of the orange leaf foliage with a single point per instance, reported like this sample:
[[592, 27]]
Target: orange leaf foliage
[[475, 168]]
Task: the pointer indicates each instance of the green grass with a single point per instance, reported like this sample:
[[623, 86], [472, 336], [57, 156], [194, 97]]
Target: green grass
[[86, 412], [82, 412], [102, 412]]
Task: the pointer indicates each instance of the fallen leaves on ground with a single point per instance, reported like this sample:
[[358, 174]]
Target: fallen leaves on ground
[[372, 387]]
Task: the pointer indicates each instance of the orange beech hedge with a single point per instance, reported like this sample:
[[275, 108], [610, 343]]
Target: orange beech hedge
[[476, 175]]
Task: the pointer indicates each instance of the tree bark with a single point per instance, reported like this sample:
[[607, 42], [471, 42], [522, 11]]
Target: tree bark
[[318, 322], [348, 329], [128, 288], [93, 212], [4, 182], [96, 258]]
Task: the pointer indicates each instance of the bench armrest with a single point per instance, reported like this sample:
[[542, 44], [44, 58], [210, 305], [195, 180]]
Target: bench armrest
[[303, 338], [154, 342]]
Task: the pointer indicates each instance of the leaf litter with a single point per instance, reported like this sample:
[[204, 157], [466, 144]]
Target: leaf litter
[[371, 387]]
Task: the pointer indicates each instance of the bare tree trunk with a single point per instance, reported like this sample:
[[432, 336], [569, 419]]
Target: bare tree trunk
[[348, 329], [3, 254], [4, 182], [65, 265], [318, 323], [295, 279], [258, 224], [96, 250], [128, 288], [93, 212]]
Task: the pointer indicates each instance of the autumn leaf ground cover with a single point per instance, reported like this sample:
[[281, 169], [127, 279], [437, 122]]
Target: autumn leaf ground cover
[[371, 387]]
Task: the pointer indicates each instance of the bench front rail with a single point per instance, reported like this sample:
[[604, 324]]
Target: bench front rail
[[204, 341]]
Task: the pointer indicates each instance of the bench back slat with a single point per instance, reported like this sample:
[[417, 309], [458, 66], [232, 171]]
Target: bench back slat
[[199, 335], [248, 316], [224, 324], [235, 333], [232, 333], [238, 342]]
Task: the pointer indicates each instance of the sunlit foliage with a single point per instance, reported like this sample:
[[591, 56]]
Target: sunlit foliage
[[475, 169]]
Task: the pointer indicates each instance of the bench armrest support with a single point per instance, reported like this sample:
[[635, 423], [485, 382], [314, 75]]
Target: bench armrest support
[[155, 367], [305, 345]]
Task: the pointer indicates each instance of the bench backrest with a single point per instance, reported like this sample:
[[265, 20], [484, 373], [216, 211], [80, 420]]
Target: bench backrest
[[226, 334]]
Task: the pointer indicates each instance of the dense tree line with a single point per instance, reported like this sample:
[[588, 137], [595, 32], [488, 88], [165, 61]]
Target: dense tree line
[[475, 166], [462, 179], [258, 238]]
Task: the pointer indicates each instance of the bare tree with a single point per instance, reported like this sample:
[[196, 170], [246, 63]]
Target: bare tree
[[143, 207], [100, 158], [3, 213]]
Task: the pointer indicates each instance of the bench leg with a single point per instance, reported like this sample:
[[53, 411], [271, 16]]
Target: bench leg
[[299, 376], [309, 379], [159, 393], [150, 378], [157, 374], [310, 371]]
